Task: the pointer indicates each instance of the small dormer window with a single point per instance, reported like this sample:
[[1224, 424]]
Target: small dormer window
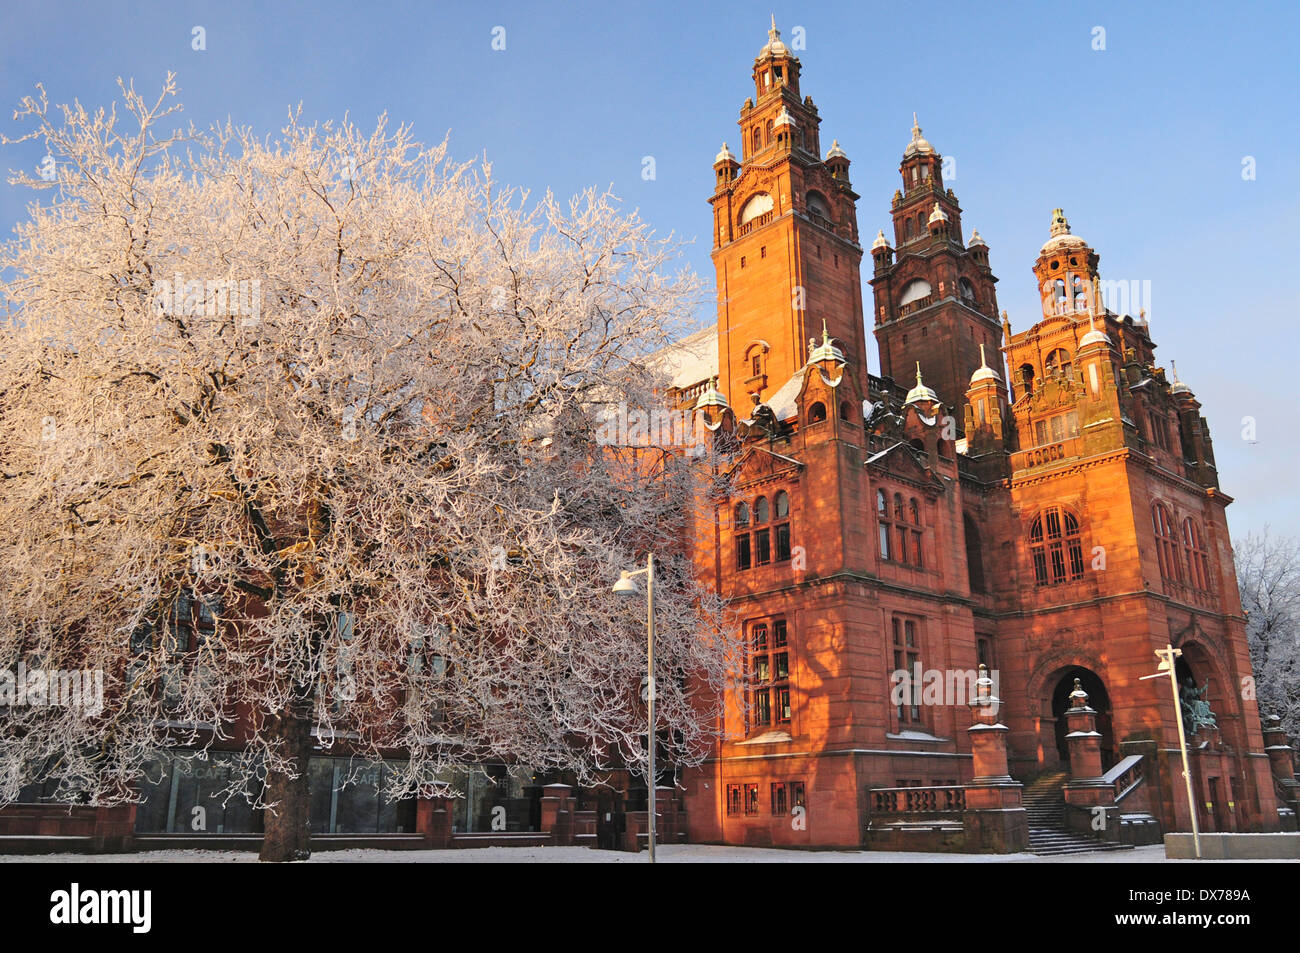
[[757, 365]]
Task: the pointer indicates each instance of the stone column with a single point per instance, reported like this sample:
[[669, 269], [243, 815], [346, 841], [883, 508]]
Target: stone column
[[1281, 761], [1089, 801], [994, 818], [433, 820]]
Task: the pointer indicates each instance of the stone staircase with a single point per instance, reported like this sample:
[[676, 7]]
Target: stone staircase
[[1044, 802]]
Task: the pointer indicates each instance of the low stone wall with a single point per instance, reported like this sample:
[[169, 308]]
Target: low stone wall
[[1235, 846]]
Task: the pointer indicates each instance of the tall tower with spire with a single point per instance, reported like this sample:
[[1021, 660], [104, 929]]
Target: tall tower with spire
[[934, 293], [785, 237]]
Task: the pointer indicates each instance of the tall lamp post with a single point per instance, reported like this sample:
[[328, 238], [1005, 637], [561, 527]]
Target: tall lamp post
[[626, 587], [1166, 667]]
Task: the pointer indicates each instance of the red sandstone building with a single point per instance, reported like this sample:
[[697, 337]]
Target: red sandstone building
[[1058, 522]]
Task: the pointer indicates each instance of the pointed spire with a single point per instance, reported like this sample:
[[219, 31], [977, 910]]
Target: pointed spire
[[984, 372], [920, 391], [918, 145], [1178, 387]]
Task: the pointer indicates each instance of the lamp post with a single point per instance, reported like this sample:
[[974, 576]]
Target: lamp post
[[1166, 667], [626, 587]]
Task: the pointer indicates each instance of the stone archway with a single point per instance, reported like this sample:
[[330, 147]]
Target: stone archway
[[1098, 700]]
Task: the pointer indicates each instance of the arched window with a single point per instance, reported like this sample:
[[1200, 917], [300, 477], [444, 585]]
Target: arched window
[[882, 516], [914, 512], [974, 555], [1079, 290], [1058, 291], [1056, 547], [742, 513], [846, 410], [758, 139], [898, 507], [1166, 543], [781, 527], [762, 535], [757, 205], [1058, 359], [817, 204], [1027, 377], [907, 230], [817, 413], [1198, 564]]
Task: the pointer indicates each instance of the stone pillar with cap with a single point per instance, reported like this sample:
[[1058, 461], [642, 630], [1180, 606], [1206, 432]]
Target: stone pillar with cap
[[1281, 760], [994, 817], [1089, 800]]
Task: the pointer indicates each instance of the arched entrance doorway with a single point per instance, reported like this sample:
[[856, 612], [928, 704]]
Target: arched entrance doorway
[[1098, 699]]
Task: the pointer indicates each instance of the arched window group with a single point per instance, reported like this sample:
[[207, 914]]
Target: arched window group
[[899, 529], [1056, 547], [1181, 550], [763, 532]]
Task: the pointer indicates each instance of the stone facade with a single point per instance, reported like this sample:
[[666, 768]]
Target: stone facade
[[1056, 522]]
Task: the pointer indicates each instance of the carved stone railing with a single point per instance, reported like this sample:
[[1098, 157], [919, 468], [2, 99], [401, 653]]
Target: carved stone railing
[[932, 800], [1126, 776], [916, 305], [752, 224], [1047, 453]]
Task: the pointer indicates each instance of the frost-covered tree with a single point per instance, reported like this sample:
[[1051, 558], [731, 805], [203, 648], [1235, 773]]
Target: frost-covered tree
[[334, 398], [1268, 574]]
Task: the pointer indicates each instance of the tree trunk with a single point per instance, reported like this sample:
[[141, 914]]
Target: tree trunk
[[287, 826]]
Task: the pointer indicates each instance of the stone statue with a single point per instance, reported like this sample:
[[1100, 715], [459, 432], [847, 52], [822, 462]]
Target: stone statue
[[1196, 709]]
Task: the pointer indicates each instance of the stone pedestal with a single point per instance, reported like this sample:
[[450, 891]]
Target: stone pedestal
[[557, 813], [1089, 801], [433, 820], [994, 819]]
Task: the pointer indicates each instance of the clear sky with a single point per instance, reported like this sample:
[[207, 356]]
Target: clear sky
[[1141, 143]]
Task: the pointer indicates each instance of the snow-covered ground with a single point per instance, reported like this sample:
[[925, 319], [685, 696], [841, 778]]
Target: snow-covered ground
[[675, 854]]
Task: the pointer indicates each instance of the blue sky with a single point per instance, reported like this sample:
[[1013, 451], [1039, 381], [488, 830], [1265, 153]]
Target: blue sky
[[1141, 143]]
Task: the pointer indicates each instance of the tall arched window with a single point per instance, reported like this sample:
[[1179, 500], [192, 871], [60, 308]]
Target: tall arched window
[[817, 413], [882, 516], [1198, 563], [1166, 543], [763, 536], [1058, 359], [974, 555], [742, 513], [781, 527], [1056, 547]]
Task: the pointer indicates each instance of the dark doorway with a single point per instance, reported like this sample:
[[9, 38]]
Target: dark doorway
[[1098, 700]]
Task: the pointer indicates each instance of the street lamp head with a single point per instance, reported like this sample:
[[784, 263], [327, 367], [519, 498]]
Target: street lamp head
[[626, 585]]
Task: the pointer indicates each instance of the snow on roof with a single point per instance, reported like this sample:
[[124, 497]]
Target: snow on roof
[[690, 361], [784, 402]]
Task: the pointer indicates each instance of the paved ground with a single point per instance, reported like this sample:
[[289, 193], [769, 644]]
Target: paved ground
[[676, 854]]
